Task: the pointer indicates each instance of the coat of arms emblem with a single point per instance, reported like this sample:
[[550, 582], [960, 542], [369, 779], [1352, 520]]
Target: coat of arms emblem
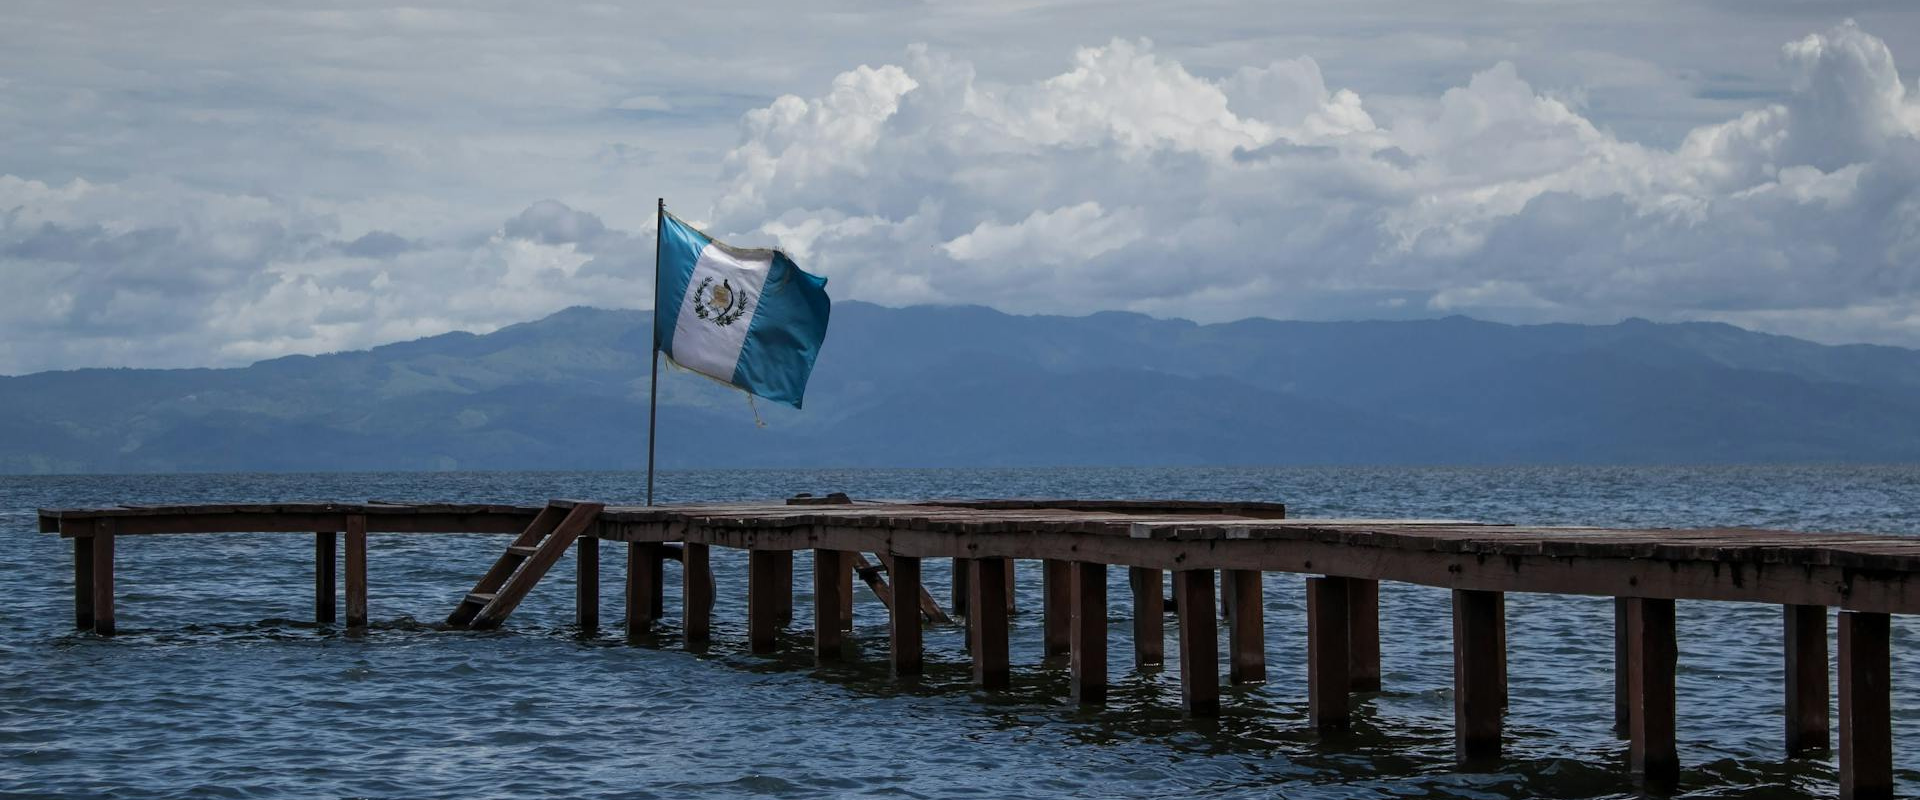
[[721, 305]]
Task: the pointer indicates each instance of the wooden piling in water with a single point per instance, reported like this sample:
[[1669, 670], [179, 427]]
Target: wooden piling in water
[[1056, 607], [102, 562], [1478, 688], [1805, 640], [1149, 616], [782, 587], [643, 587], [959, 585], [987, 625], [696, 589], [1087, 599], [905, 626], [586, 594], [356, 572], [1652, 657], [846, 589], [831, 582], [763, 597], [1328, 654], [83, 576], [1363, 635], [325, 560], [1246, 626], [1199, 642], [1866, 713], [1622, 670]]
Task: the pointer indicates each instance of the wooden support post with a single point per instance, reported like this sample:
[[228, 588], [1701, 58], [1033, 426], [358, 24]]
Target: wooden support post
[[1651, 658], [586, 593], [325, 561], [782, 567], [1866, 719], [83, 579], [1056, 607], [1246, 626], [1500, 648], [830, 584], [1329, 654], [1622, 671], [1199, 642], [846, 592], [960, 593], [763, 596], [1149, 616], [1087, 600], [1807, 679], [696, 585], [102, 562], [987, 625], [643, 587], [905, 622], [1363, 635], [356, 572], [1012, 581], [1477, 685]]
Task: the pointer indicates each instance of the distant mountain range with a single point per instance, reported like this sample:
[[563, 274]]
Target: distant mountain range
[[970, 386]]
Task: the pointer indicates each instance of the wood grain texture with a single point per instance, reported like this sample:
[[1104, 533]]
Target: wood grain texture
[[1866, 718], [905, 623], [1199, 642], [1479, 685], [1087, 599], [1149, 616]]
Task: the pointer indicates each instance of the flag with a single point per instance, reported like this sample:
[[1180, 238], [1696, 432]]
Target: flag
[[745, 317]]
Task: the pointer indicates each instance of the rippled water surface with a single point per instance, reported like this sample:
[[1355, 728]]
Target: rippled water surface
[[219, 686]]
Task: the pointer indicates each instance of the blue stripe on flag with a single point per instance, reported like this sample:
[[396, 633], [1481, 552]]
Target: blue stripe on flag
[[680, 247], [785, 335]]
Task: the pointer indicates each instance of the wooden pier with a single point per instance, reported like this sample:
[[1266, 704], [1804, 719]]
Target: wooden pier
[[1208, 547]]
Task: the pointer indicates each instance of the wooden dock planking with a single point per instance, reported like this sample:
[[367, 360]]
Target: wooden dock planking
[[1865, 576]]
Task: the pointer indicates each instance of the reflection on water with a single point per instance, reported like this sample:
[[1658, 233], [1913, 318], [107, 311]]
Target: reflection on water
[[218, 687]]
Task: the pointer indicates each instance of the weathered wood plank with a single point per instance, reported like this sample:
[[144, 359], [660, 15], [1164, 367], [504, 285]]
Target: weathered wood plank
[[1199, 642], [1149, 616], [905, 631], [1805, 638], [1087, 600], [1866, 719]]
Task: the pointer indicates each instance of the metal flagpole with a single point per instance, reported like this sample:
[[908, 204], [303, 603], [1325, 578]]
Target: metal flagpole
[[653, 356]]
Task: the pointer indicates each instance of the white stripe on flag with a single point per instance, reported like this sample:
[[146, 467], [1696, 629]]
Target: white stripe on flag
[[711, 346]]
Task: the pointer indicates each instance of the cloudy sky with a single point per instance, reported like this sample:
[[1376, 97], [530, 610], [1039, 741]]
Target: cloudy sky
[[215, 183]]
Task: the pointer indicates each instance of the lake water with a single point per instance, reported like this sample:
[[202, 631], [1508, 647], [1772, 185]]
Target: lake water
[[219, 686]]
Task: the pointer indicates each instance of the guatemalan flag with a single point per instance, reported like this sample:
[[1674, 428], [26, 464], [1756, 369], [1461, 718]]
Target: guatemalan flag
[[749, 318]]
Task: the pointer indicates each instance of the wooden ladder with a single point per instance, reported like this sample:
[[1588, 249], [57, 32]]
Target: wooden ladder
[[524, 563]]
